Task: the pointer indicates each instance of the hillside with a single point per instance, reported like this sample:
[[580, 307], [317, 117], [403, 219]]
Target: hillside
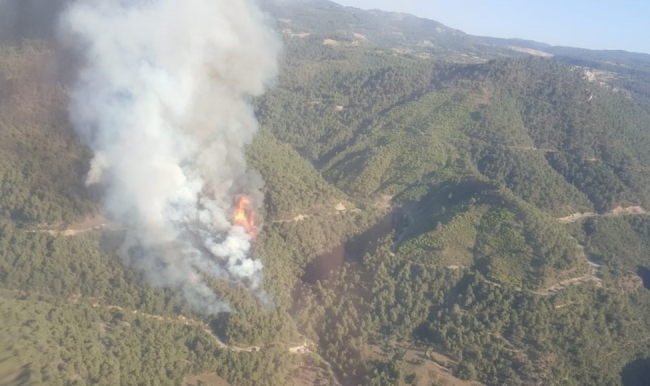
[[439, 209]]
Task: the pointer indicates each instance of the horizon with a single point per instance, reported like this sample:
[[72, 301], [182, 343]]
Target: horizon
[[576, 24]]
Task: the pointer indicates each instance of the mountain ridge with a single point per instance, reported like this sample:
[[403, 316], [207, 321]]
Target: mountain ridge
[[528, 42], [418, 223]]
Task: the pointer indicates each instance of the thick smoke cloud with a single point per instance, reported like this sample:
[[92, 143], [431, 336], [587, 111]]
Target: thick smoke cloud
[[163, 100]]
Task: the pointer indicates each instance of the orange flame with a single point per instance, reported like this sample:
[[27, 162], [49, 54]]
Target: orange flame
[[245, 217]]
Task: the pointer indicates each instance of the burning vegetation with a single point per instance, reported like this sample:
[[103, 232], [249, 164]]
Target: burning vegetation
[[245, 216]]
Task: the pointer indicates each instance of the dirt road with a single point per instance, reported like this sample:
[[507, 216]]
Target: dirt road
[[616, 212]]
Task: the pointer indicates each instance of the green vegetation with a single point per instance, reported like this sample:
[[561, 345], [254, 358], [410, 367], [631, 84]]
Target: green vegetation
[[452, 162], [36, 144]]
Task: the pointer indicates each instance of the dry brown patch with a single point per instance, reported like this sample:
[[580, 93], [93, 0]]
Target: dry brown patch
[[383, 201], [211, 379], [309, 373], [616, 212], [104, 328], [576, 217], [95, 222], [532, 148], [630, 284], [531, 51], [625, 211], [91, 223], [74, 299], [304, 348], [428, 366], [568, 278], [291, 33], [456, 257]]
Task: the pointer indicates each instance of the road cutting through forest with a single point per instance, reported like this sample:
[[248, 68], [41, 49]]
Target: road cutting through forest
[[616, 212], [592, 275], [303, 348]]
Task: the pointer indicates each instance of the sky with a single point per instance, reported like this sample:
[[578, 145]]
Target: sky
[[594, 24]]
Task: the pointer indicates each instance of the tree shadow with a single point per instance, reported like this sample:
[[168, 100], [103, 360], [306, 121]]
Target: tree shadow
[[328, 265], [644, 273], [636, 373], [441, 205]]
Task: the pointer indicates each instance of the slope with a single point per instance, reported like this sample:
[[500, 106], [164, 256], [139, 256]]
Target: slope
[[450, 171], [480, 161]]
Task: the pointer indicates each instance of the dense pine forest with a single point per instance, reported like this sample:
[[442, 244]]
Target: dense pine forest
[[440, 209]]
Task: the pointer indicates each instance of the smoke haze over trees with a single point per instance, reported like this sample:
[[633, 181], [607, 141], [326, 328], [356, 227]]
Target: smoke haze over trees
[[162, 101]]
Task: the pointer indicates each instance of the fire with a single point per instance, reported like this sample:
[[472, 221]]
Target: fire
[[245, 217]]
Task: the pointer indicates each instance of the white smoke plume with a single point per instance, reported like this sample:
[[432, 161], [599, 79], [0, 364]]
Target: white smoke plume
[[163, 100]]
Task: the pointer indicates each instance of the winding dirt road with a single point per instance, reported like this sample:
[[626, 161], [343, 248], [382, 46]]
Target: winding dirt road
[[616, 212], [568, 283]]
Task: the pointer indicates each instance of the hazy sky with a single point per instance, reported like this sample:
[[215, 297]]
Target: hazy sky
[[597, 24]]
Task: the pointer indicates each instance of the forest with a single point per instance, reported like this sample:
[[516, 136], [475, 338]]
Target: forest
[[451, 214]]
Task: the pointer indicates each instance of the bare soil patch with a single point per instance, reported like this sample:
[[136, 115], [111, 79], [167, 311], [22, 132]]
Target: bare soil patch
[[91, 223], [616, 212], [211, 379], [424, 365], [631, 284], [331, 42], [531, 51]]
